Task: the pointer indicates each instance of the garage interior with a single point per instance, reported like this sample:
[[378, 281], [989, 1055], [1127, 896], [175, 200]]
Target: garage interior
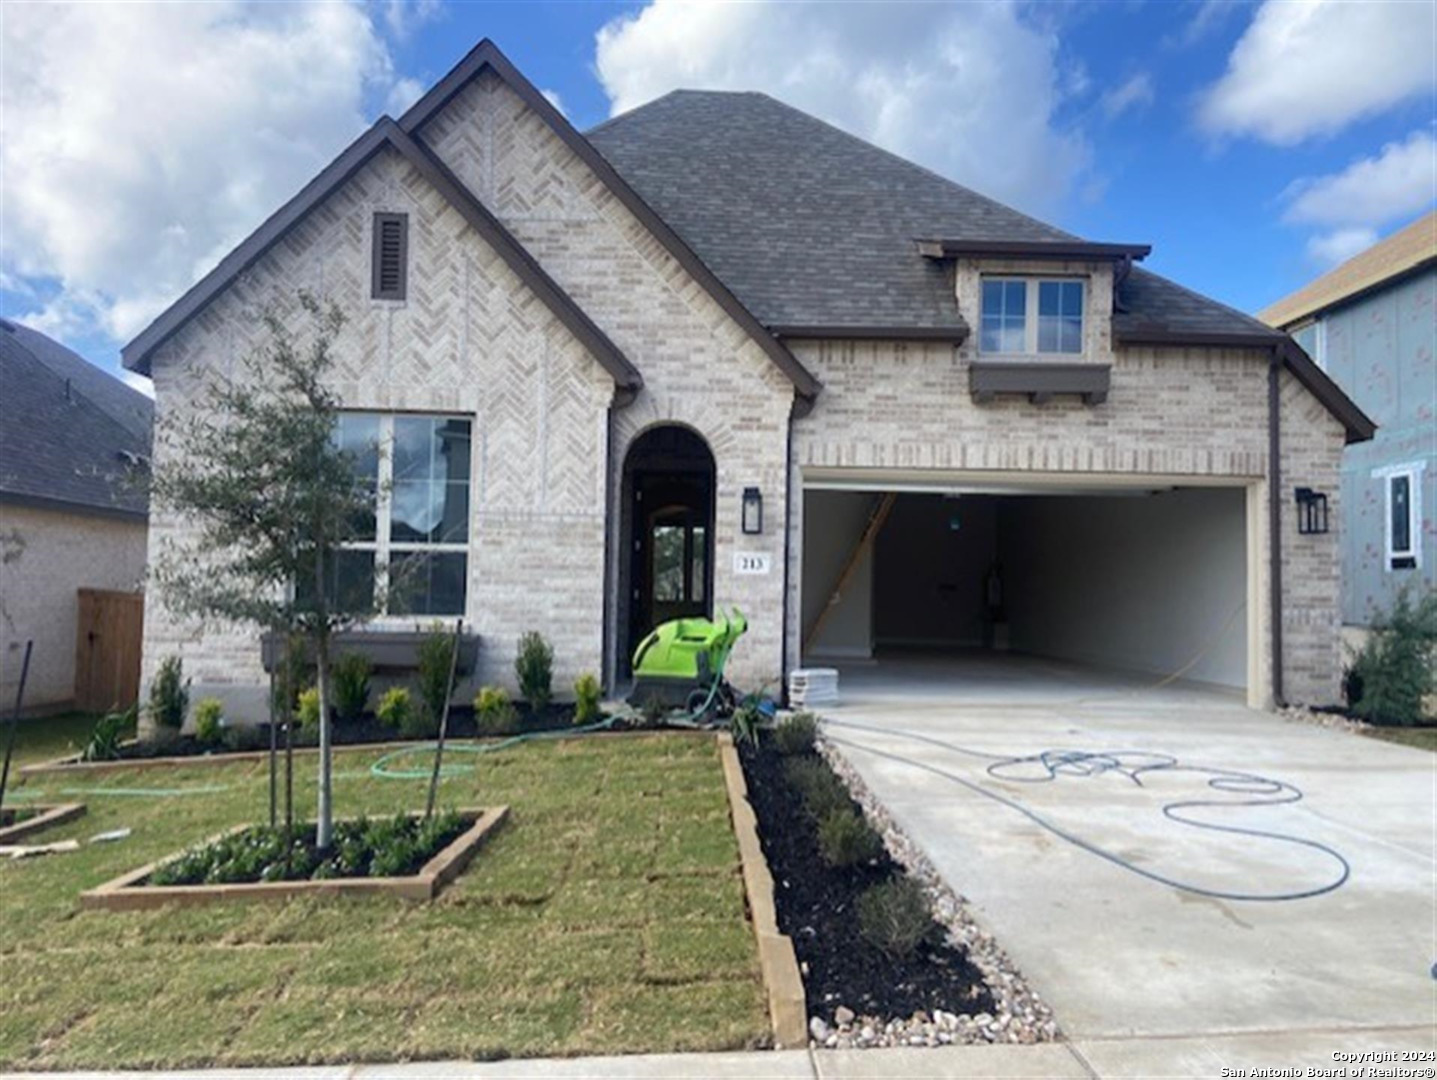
[[1145, 581]]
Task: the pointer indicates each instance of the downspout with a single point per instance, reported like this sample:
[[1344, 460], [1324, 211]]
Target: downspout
[[787, 547], [609, 583], [1274, 519]]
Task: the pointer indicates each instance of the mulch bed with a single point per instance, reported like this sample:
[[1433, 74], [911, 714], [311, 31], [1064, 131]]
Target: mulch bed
[[817, 908]]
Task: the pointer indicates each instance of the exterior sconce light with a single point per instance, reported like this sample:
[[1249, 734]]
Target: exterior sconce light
[[752, 511], [1311, 511]]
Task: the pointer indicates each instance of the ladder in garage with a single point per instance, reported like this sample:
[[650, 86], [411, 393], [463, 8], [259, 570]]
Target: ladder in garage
[[876, 518]]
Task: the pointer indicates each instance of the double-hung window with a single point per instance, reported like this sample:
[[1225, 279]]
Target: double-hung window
[[1028, 316], [1404, 515], [414, 547]]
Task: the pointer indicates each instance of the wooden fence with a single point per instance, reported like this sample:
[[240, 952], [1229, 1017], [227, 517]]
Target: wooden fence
[[107, 649]]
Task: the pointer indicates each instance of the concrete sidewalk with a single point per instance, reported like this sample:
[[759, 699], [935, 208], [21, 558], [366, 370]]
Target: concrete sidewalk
[[1205, 1056]]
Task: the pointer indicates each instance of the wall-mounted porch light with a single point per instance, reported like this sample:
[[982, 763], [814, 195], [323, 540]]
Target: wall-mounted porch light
[[1311, 511], [752, 511]]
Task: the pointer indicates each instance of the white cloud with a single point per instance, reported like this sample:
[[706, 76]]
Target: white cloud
[[1311, 68], [553, 98], [1329, 249], [403, 17], [1400, 181], [404, 93], [1135, 93], [968, 90], [143, 141]]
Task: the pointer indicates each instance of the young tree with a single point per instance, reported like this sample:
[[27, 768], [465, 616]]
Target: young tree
[[256, 468]]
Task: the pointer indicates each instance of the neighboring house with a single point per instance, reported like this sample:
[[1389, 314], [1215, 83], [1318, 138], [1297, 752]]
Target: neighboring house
[[679, 363], [1371, 324], [71, 516]]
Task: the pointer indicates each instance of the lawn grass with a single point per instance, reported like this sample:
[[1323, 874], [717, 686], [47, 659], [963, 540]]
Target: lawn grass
[[1421, 738], [45, 738], [606, 916]]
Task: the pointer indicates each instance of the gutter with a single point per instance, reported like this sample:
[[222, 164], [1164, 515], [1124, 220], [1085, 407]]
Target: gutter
[[1274, 519]]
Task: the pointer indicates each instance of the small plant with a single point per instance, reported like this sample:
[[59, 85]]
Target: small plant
[[104, 744], [1396, 670], [586, 698], [653, 710], [394, 708], [308, 710], [893, 917], [494, 713], [170, 694], [534, 668], [845, 839], [745, 723], [436, 659], [209, 721], [822, 791], [796, 734], [351, 687]]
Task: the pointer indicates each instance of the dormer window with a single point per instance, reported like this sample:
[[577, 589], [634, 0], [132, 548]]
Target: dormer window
[[1029, 316]]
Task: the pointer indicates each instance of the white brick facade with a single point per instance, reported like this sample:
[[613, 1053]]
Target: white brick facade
[[549, 449]]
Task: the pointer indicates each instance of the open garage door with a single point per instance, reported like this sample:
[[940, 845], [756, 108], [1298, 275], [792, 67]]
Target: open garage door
[[1151, 579]]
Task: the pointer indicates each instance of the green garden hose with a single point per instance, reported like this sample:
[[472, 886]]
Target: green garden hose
[[384, 770]]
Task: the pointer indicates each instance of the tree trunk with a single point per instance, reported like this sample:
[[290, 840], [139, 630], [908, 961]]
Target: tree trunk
[[324, 823]]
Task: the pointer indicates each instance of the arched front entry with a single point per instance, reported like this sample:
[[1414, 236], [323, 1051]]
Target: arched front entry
[[668, 501]]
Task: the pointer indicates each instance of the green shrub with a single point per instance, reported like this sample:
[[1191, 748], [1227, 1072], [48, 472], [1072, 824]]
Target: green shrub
[[1396, 668], [238, 737], [534, 668], [209, 721], [653, 710], [743, 725], [351, 687], [586, 698], [845, 839], [494, 713], [104, 744], [394, 708], [822, 791], [893, 917], [796, 734], [170, 694], [436, 657], [308, 710]]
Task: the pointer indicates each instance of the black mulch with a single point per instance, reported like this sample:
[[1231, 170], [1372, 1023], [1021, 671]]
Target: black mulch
[[817, 909]]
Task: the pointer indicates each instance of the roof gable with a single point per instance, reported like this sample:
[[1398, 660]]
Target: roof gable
[[486, 55], [386, 133]]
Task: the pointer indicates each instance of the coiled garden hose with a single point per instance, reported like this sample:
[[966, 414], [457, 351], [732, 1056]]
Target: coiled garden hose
[[1051, 765]]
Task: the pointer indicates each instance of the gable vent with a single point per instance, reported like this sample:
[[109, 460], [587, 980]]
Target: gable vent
[[391, 256]]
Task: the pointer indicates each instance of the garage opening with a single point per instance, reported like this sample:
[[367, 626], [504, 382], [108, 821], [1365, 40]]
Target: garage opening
[[1150, 581]]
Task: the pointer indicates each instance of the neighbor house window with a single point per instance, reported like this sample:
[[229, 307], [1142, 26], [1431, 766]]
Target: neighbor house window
[[1404, 516], [1313, 339], [414, 546], [1031, 315], [389, 275]]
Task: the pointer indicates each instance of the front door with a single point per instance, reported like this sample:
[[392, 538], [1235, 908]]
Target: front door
[[672, 552]]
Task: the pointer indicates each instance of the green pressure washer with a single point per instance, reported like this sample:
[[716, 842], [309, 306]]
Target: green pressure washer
[[681, 664]]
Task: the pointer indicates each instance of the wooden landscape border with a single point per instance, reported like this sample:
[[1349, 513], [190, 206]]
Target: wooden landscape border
[[787, 1008], [128, 893], [50, 814]]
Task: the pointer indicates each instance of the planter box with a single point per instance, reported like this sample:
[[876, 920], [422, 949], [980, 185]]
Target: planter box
[[129, 893], [48, 815], [386, 650]]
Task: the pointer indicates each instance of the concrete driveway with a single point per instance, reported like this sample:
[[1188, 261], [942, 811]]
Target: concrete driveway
[[1125, 960]]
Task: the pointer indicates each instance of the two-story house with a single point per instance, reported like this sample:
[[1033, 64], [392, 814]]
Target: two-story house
[[1371, 325], [687, 360]]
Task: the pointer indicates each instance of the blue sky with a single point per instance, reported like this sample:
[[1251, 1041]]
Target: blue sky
[[1253, 144]]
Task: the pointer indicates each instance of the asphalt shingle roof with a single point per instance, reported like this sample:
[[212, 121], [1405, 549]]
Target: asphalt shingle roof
[[67, 428], [811, 226]]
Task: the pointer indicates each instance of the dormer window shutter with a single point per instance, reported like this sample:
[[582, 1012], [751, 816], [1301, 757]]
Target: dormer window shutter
[[391, 256]]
